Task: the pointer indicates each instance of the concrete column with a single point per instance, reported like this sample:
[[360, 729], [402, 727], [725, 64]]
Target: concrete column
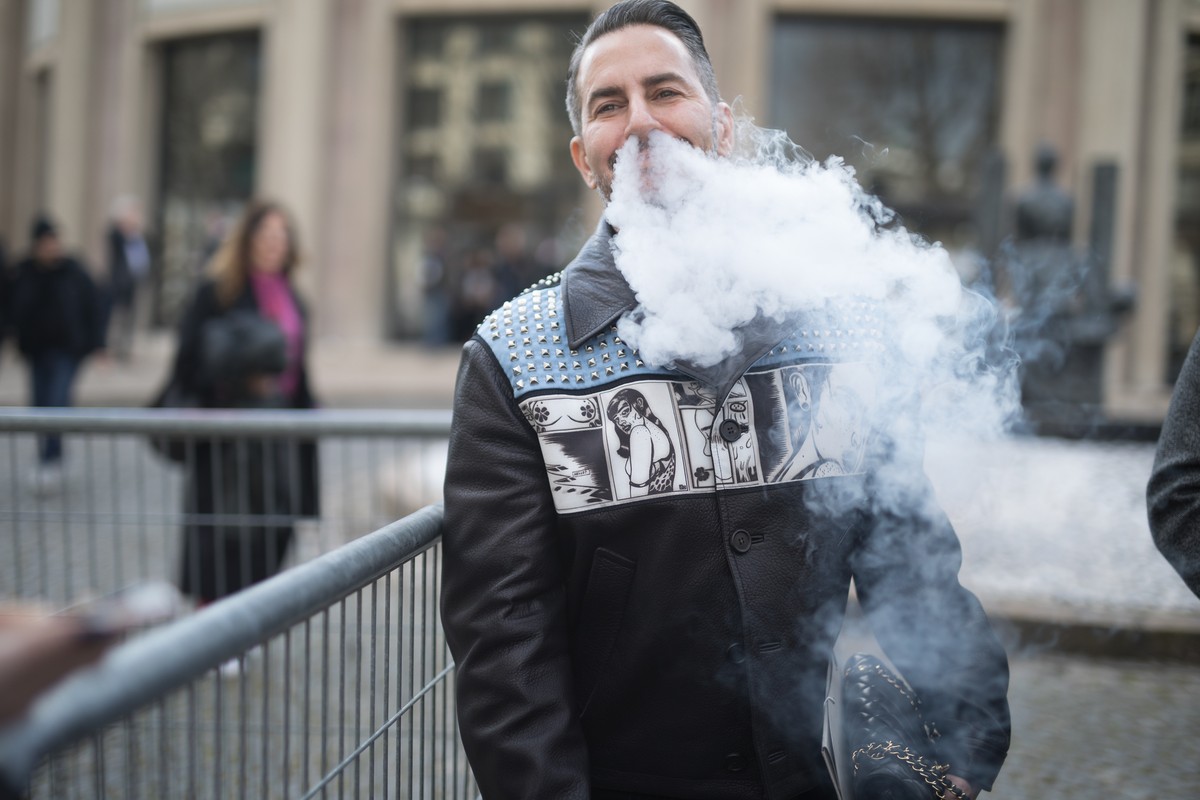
[[12, 39], [294, 106], [737, 34], [71, 123], [1138, 387], [357, 158], [117, 146]]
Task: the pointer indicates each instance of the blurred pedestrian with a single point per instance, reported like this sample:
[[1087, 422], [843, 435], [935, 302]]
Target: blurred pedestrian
[[512, 267], [243, 344], [435, 285], [58, 319], [1173, 492], [478, 290], [6, 282], [128, 268]]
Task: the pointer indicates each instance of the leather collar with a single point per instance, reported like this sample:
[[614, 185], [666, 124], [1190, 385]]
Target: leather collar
[[594, 292]]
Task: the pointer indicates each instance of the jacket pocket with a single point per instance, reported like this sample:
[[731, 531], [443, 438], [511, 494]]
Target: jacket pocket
[[600, 620]]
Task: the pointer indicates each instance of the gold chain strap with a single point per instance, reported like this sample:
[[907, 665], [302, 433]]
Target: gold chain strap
[[932, 774]]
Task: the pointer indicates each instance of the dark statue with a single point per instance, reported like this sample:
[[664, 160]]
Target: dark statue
[[1063, 309]]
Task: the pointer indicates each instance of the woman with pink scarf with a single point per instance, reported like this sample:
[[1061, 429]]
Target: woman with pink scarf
[[242, 344]]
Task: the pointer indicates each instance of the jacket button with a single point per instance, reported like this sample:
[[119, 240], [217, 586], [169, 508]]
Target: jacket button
[[730, 430], [736, 653], [740, 541], [735, 762]]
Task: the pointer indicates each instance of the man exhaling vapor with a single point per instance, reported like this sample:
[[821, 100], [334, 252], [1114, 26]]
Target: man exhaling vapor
[[630, 617]]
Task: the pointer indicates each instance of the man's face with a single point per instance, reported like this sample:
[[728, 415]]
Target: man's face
[[47, 249], [634, 81]]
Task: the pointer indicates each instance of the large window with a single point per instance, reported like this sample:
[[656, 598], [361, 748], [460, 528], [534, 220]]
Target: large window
[[911, 105], [487, 199], [209, 133]]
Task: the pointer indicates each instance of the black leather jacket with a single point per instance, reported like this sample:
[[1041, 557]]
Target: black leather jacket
[[646, 568]]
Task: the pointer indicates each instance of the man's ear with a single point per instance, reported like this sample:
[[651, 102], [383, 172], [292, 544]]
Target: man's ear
[[724, 129], [580, 158]]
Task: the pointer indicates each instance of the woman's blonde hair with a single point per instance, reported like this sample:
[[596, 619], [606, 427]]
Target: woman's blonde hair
[[230, 266]]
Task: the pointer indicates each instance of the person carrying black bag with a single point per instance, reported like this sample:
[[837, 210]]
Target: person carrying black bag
[[242, 344]]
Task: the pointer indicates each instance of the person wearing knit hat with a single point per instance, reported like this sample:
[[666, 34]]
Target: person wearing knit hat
[[57, 318]]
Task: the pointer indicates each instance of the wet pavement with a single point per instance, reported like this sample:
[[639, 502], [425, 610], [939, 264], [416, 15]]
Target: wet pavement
[[1103, 728]]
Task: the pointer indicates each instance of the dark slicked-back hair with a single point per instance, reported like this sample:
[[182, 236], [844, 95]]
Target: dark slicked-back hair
[[661, 13]]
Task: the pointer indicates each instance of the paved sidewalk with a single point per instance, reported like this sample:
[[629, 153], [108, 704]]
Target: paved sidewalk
[[344, 375], [1054, 531]]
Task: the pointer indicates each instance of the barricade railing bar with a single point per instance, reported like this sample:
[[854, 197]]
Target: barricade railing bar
[[331, 679], [119, 511]]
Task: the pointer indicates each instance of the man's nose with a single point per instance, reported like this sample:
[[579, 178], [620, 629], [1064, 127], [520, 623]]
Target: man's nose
[[641, 120]]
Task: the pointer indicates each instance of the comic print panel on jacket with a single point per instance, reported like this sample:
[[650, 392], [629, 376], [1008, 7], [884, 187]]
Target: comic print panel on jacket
[[652, 437], [613, 429]]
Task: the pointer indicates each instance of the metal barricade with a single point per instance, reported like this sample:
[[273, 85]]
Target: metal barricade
[[340, 686], [120, 512]]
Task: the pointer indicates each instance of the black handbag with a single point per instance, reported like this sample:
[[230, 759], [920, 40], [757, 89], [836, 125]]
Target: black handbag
[[242, 343], [172, 448], [892, 747]]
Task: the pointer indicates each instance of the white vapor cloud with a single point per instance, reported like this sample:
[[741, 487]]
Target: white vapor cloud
[[710, 245]]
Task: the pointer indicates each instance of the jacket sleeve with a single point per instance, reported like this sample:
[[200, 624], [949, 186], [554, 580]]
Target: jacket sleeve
[[932, 628], [187, 369], [503, 599], [1173, 492]]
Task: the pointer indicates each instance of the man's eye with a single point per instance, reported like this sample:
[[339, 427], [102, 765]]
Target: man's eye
[[666, 94], [605, 109]]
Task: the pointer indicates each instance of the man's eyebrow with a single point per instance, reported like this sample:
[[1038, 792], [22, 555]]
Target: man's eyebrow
[[651, 81], [663, 77], [605, 91]]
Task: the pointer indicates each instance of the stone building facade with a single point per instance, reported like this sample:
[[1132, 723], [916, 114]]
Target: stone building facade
[[377, 121]]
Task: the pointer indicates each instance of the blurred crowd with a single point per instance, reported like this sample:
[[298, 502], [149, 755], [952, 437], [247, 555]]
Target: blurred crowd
[[462, 285]]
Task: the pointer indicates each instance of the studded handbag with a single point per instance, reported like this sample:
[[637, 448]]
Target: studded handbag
[[893, 748]]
